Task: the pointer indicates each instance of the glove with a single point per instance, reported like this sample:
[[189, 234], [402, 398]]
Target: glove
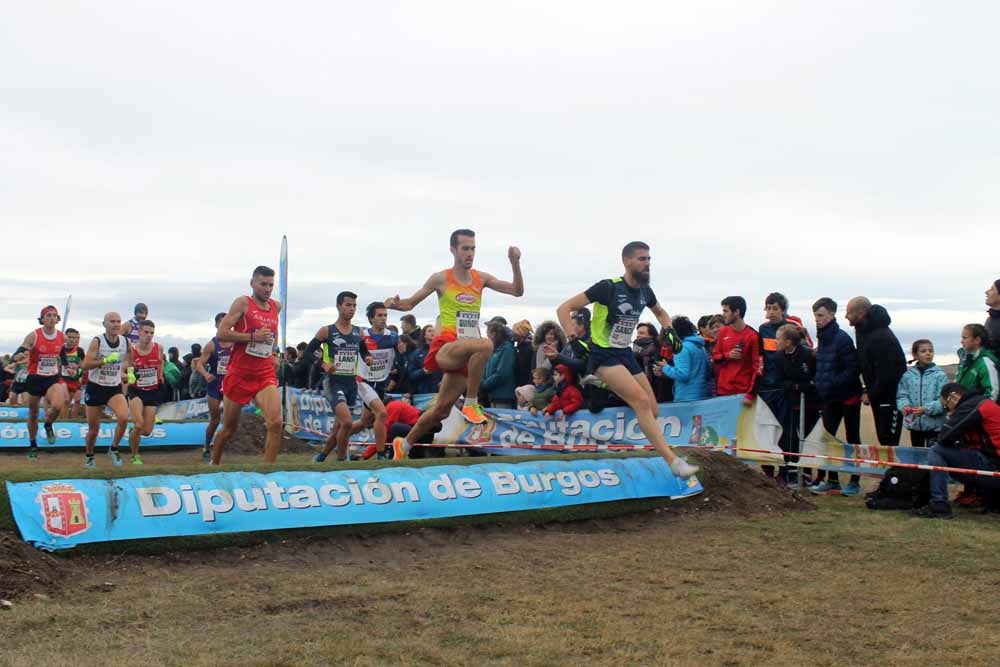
[[673, 340], [131, 375], [111, 358]]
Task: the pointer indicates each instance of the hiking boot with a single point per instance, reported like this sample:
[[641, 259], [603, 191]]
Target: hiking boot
[[474, 414], [683, 469], [852, 489], [933, 510], [116, 460], [88, 461], [825, 488], [50, 434]]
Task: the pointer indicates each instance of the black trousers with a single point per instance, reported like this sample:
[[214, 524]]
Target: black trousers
[[835, 412], [888, 422]]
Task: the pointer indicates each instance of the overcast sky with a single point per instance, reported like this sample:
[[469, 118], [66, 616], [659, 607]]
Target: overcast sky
[[158, 153]]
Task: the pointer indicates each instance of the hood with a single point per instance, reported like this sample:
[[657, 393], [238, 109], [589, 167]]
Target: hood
[[566, 371], [695, 340], [877, 318]]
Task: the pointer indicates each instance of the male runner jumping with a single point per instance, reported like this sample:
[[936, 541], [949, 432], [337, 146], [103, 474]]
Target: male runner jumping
[[72, 373], [373, 378], [618, 305], [251, 325], [145, 377], [43, 348], [458, 350], [130, 329], [212, 365], [342, 345], [106, 357]]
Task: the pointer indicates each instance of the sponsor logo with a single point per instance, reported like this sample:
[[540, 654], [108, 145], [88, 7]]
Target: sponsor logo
[[64, 510], [465, 298]]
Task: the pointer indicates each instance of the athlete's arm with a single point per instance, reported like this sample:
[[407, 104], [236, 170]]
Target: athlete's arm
[[316, 344], [126, 328], [199, 363], [433, 284], [159, 371], [514, 288], [566, 308], [661, 316], [225, 333], [29, 342], [90, 361]]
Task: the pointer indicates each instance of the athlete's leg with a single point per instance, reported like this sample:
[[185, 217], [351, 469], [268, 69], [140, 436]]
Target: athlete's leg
[[452, 386], [119, 406], [377, 408], [214, 416], [230, 420], [471, 353], [268, 400], [341, 432], [650, 395], [135, 409], [367, 421], [93, 427], [33, 404]]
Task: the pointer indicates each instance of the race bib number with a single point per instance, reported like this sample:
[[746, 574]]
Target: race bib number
[[71, 371], [345, 361], [222, 366], [48, 365], [145, 377], [621, 332], [21, 375], [378, 369], [468, 324], [259, 349], [109, 375]]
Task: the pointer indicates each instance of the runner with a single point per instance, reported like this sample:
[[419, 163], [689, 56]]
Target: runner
[[72, 373], [374, 378], [212, 365], [43, 349], [251, 325], [130, 329], [342, 345], [618, 305], [145, 378], [107, 356], [458, 350]]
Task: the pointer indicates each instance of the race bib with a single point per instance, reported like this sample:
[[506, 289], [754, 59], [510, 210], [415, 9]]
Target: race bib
[[21, 375], [621, 332], [345, 361], [259, 349], [378, 369], [48, 365], [109, 374], [468, 324], [145, 377], [222, 366]]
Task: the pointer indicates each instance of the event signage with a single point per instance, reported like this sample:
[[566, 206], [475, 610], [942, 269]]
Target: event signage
[[59, 514], [74, 434]]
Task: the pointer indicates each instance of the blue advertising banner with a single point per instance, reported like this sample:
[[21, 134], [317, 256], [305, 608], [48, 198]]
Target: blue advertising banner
[[13, 412], [59, 514], [73, 434]]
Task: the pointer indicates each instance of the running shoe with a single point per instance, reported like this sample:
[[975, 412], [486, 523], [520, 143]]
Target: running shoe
[[50, 433], [399, 449], [474, 414], [116, 460], [319, 458], [852, 489], [381, 456], [32, 453], [206, 454], [88, 462], [136, 460], [825, 488], [683, 469]]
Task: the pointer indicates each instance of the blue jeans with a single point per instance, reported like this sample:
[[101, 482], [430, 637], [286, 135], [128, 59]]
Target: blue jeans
[[954, 457]]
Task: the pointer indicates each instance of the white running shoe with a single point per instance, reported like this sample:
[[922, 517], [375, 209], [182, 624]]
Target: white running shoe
[[683, 469]]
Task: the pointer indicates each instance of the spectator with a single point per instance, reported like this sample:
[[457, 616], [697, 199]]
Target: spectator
[[993, 318], [548, 338], [393, 328], [839, 389], [882, 365], [541, 391], [968, 439], [286, 375], [399, 382], [977, 367], [401, 416], [568, 398], [691, 371], [187, 371], [919, 395], [576, 354], [498, 378], [703, 329], [770, 384], [649, 352], [302, 366], [523, 352], [420, 380], [173, 375], [407, 323], [798, 377], [736, 354]]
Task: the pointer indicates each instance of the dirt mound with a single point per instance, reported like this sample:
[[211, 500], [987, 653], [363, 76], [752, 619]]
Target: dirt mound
[[250, 435], [733, 486], [24, 569]]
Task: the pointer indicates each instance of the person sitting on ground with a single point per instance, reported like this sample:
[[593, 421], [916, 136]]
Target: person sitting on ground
[[549, 338], [691, 371], [568, 398], [919, 395], [977, 367], [969, 439], [498, 377]]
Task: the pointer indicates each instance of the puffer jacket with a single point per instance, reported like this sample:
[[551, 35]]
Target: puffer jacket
[[921, 387], [692, 371], [880, 356], [979, 372], [836, 365]]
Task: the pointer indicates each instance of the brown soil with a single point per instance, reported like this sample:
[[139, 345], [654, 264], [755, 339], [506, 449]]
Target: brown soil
[[250, 435], [731, 488]]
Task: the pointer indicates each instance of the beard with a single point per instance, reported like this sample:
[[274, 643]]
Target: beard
[[641, 277]]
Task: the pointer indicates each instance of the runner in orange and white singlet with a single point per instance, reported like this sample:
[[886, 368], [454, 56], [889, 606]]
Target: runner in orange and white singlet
[[459, 350], [252, 326], [43, 350]]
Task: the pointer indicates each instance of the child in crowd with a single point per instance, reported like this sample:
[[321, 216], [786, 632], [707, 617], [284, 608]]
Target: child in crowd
[[919, 394], [797, 369], [977, 368], [539, 393], [568, 398]]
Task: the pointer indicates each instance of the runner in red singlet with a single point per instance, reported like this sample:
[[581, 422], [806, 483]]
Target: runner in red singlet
[[251, 325], [145, 377], [43, 348]]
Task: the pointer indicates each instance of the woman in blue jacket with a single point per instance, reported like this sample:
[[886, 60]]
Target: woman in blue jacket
[[499, 380], [692, 369], [919, 394]]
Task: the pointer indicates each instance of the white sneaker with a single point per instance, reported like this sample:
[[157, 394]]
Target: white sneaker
[[683, 469]]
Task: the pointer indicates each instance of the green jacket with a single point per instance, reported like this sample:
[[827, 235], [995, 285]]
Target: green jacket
[[979, 372]]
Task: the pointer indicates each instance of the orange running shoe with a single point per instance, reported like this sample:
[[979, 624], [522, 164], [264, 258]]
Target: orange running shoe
[[399, 449], [474, 414]]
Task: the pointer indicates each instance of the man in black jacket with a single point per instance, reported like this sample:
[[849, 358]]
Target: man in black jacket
[[882, 365], [993, 319]]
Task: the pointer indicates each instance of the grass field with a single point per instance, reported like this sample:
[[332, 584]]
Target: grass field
[[839, 585]]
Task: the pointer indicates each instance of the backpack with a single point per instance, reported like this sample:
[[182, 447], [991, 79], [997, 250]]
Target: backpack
[[901, 489]]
